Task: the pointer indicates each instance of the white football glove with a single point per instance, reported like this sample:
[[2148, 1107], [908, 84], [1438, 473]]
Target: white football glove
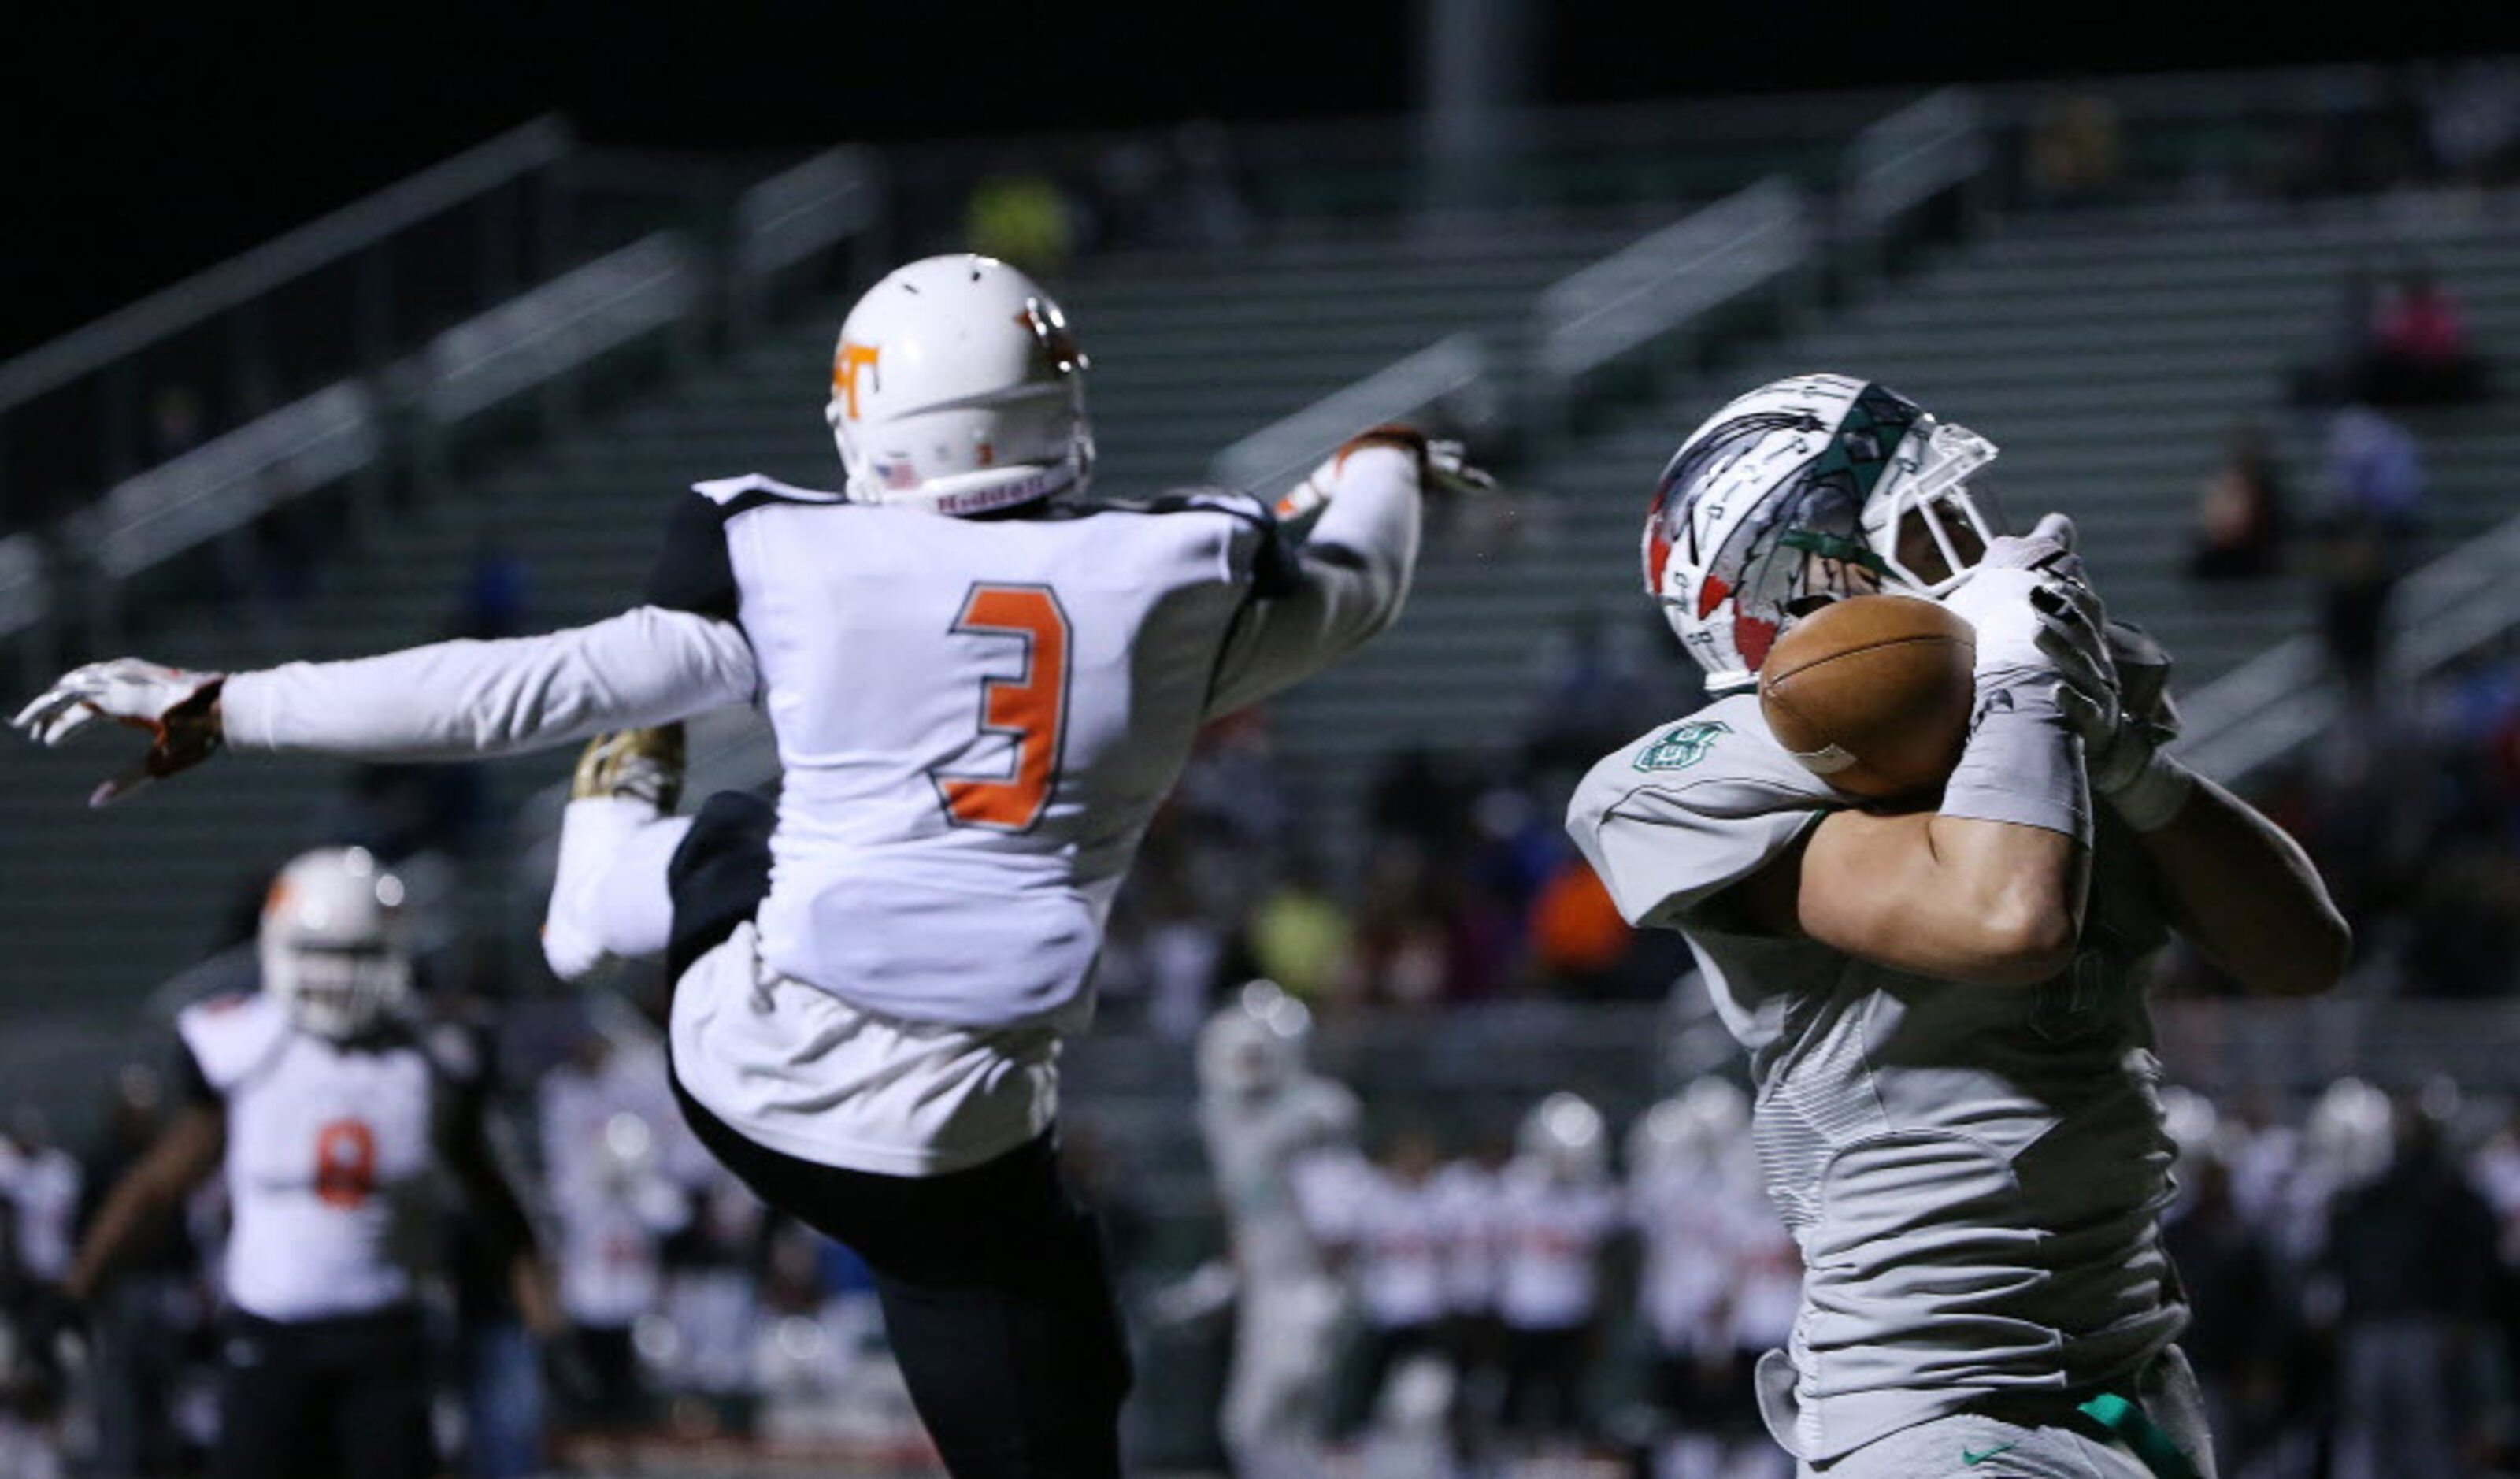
[[2122, 743], [175, 707], [2037, 622], [1444, 470]]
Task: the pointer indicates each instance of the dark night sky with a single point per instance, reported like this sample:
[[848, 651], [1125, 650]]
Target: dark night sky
[[142, 150]]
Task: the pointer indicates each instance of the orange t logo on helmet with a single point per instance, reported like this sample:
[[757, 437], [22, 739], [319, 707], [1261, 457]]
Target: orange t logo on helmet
[[844, 373]]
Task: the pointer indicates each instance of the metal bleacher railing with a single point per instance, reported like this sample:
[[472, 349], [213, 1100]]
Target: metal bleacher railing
[[1654, 294], [376, 392]]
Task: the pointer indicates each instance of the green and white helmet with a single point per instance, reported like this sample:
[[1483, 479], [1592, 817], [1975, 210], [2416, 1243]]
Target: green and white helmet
[[1801, 492]]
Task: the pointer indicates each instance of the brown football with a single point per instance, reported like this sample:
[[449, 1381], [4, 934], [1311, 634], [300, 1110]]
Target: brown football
[[1872, 693]]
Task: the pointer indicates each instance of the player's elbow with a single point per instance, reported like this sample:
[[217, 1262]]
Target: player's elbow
[[2313, 961], [2017, 947]]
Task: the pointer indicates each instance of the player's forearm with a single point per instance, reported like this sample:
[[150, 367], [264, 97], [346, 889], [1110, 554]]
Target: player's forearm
[[2246, 895], [459, 699], [1374, 518], [1962, 899], [133, 1211], [1357, 568]]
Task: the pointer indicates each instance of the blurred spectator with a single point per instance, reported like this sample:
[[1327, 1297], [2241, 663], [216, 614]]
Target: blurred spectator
[[2375, 487], [1206, 204], [1578, 938], [1300, 935], [1590, 697], [2419, 354], [1022, 216], [2236, 1326], [493, 602], [2414, 1255], [2474, 120], [2241, 517], [2077, 146]]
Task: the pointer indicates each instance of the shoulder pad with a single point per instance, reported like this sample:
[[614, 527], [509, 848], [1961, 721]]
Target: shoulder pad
[[753, 487], [232, 1035]]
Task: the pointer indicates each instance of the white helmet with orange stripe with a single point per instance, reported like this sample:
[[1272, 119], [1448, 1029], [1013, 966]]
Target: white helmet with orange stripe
[[957, 388]]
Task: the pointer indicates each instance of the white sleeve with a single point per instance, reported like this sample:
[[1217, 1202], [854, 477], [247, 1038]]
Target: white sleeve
[[1683, 814], [458, 698], [1356, 567]]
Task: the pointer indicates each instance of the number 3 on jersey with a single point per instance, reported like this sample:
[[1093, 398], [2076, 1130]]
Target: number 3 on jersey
[[1028, 706]]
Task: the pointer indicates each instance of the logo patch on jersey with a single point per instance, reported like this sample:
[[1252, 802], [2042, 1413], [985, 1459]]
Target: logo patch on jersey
[[1682, 748], [1975, 1456]]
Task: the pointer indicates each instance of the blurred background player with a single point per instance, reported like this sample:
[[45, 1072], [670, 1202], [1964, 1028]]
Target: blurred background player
[[1558, 1210], [1716, 1269], [981, 690], [1957, 1098], [328, 1116], [1269, 1123]]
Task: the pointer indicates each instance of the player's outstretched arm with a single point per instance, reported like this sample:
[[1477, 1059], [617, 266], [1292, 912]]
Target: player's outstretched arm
[[1355, 565], [142, 1203], [446, 700]]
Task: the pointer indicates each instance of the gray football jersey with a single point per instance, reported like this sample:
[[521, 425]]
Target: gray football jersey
[[1974, 1173]]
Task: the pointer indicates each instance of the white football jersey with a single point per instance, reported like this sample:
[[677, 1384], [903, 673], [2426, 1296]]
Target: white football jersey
[[1973, 1174], [1398, 1250], [44, 1188], [1551, 1235], [975, 721], [330, 1162], [1467, 1205], [1257, 1146]]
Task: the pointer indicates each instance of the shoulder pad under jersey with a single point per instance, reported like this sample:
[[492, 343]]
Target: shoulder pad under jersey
[[1691, 807], [231, 1036]]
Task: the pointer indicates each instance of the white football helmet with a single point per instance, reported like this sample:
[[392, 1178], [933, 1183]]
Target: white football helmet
[[957, 388], [1565, 1135], [335, 943], [1256, 1046], [1799, 493], [1696, 1127], [2350, 1133]]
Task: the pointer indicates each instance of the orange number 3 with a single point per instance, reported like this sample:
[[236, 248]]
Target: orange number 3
[[346, 1163], [1028, 706]]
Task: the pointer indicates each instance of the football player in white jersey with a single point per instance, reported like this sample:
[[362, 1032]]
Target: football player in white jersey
[[981, 688], [1267, 1120], [328, 1113], [1955, 1107]]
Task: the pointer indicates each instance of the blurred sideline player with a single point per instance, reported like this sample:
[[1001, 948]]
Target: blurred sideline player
[[1557, 1211], [327, 1112], [981, 689], [1268, 1123], [1956, 1111], [1716, 1269]]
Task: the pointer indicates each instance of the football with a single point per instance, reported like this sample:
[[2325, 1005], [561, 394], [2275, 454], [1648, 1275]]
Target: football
[[1872, 693]]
